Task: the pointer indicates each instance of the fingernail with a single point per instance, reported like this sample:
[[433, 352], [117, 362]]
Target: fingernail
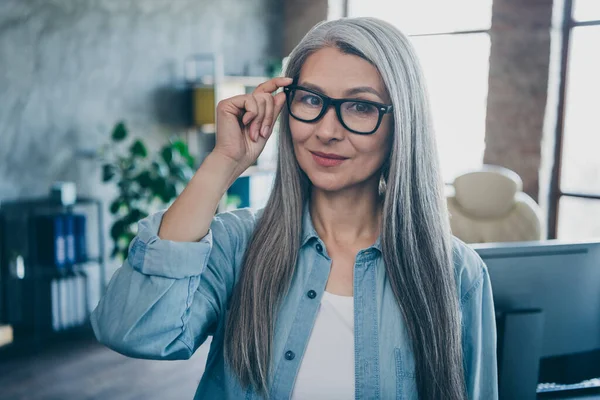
[[264, 131]]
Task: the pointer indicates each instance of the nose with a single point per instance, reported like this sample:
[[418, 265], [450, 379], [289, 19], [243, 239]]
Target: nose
[[329, 127]]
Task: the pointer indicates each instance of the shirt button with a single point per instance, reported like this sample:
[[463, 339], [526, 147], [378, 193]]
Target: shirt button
[[311, 294], [289, 355], [319, 248]]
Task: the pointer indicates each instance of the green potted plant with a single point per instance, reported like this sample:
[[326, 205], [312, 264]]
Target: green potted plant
[[146, 181]]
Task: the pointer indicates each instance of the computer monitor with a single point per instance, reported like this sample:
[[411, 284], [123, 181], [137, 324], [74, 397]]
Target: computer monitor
[[562, 279], [547, 299]]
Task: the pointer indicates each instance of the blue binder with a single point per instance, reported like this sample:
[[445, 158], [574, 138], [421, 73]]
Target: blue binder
[[50, 240], [80, 238]]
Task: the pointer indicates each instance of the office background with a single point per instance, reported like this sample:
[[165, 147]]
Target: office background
[[513, 84]]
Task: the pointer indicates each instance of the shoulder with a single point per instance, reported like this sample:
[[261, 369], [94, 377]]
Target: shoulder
[[469, 268]]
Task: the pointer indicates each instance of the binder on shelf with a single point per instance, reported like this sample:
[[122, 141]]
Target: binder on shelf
[[47, 279], [69, 233], [50, 239], [76, 277], [67, 302], [64, 296], [77, 297], [81, 301], [51, 254], [55, 244], [55, 305], [80, 238], [77, 254]]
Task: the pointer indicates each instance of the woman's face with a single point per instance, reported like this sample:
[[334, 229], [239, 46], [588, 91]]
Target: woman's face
[[338, 75]]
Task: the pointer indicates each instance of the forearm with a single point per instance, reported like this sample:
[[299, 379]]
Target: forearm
[[189, 217]]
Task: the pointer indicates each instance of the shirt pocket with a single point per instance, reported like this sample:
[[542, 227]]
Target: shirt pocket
[[406, 382]]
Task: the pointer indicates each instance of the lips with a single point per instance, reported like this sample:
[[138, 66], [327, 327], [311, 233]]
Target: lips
[[327, 159], [329, 155]]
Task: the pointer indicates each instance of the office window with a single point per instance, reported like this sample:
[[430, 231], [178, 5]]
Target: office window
[[575, 197], [581, 143], [456, 69], [427, 16], [586, 10], [452, 41], [579, 219]]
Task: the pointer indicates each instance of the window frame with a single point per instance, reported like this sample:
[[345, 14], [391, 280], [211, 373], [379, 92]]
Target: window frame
[[568, 24]]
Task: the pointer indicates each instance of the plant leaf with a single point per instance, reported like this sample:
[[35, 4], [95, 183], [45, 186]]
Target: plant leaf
[[181, 147], [138, 149], [115, 206], [191, 161], [108, 172], [117, 229], [135, 215], [119, 132], [171, 192], [167, 154], [167, 192], [144, 179], [182, 173], [158, 185]]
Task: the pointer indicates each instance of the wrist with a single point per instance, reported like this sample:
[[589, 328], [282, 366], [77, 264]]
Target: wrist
[[225, 166]]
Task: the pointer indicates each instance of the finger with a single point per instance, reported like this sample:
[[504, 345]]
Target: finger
[[278, 103], [248, 118], [251, 110], [268, 119], [257, 123], [238, 106], [272, 85]]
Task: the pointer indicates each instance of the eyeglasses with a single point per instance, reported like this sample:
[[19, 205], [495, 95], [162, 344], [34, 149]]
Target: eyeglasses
[[358, 116]]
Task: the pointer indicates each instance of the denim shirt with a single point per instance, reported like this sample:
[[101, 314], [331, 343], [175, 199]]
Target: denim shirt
[[168, 297]]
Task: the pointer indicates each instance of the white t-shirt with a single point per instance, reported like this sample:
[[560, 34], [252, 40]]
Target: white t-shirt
[[327, 368]]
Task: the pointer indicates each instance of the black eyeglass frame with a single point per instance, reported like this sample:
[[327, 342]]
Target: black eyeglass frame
[[337, 103]]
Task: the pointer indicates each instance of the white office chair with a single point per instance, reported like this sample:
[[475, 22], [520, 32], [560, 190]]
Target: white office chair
[[488, 205]]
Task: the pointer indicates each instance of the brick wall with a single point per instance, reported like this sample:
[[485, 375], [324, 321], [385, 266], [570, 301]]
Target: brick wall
[[518, 87]]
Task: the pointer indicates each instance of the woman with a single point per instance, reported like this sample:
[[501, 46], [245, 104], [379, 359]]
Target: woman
[[348, 284]]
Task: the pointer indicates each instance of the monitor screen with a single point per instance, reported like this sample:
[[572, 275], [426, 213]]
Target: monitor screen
[[562, 279]]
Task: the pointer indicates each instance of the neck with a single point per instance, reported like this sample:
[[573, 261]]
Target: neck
[[346, 217]]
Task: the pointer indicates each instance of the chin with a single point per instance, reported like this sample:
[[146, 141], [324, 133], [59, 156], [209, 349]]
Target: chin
[[327, 184], [327, 181]]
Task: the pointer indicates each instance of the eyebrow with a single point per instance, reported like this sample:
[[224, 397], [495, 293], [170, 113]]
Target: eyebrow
[[349, 92]]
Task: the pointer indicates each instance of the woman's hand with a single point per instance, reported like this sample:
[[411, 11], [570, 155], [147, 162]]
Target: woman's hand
[[245, 122]]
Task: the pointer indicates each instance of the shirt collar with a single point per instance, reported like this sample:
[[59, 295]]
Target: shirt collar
[[309, 232]]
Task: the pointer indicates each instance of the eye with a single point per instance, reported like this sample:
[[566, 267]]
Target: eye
[[362, 108], [311, 100]]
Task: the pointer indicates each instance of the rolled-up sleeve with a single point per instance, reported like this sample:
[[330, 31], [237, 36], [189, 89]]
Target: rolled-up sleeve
[[479, 339], [168, 297]]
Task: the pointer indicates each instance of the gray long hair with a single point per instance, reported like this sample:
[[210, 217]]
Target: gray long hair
[[416, 238]]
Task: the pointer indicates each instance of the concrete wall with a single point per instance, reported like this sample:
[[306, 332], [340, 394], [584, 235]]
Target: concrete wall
[[70, 69]]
